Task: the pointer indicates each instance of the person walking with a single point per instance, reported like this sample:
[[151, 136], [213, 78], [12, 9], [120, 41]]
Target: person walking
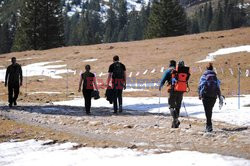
[[176, 85], [117, 71], [13, 79], [209, 89], [87, 82]]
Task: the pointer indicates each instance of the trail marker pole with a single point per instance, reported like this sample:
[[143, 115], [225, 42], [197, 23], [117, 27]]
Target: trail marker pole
[[239, 72], [67, 85]]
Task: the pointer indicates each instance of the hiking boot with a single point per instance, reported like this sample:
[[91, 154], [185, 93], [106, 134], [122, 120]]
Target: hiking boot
[[88, 113], [15, 103], [175, 123], [10, 105], [120, 109], [209, 128]]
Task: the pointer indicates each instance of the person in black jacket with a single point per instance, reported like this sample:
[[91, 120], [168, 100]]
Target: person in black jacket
[[117, 71], [14, 79], [87, 82]]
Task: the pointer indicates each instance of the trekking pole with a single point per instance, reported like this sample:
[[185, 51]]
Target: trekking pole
[[187, 114], [159, 108]]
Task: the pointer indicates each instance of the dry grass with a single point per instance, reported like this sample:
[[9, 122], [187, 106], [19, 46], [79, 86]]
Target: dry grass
[[138, 56]]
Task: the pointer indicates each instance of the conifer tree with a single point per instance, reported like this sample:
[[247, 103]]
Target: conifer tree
[[167, 18]]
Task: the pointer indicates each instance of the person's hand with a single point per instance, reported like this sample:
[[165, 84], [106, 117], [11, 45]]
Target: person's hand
[[124, 86], [200, 97], [159, 88], [79, 90], [5, 84]]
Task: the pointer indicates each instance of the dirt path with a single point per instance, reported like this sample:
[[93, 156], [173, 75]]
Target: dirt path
[[129, 129]]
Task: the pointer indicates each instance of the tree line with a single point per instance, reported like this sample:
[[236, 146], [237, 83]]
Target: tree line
[[38, 25]]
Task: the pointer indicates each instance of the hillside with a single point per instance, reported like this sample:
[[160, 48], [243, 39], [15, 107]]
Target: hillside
[[150, 55]]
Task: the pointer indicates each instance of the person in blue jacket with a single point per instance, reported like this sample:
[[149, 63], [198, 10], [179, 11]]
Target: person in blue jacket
[[175, 98], [209, 89]]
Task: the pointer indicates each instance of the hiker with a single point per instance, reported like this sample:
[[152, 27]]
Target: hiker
[[87, 82], [176, 85], [117, 71], [14, 79], [209, 89]]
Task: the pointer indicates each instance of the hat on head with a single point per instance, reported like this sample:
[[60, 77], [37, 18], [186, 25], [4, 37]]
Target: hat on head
[[210, 66], [172, 63]]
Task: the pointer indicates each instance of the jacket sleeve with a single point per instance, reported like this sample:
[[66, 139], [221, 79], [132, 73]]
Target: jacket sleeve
[[164, 78], [7, 75], [218, 86], [21, 74], [201, 85]]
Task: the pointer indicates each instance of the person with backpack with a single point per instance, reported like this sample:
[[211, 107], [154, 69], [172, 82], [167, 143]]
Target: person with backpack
[[209, 89], [14, 79], [176, 85], [87, 82], [117, 71]]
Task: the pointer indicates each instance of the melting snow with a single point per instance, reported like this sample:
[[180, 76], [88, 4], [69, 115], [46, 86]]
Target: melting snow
[[224, 51], [41, 69], [32, 152], [229, 112]]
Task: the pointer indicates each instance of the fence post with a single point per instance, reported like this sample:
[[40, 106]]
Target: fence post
[[239, 72]]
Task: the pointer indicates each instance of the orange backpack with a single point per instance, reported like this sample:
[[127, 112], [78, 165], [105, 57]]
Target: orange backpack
[[180, 78]]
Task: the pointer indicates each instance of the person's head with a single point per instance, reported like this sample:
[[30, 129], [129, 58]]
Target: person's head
[[13, 60], [210, 66], [116, 58], [181, 64], [172, 63], [87, 67]]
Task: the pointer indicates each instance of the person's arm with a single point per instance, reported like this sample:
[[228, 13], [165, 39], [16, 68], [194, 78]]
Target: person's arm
[[6, 77], [95, 84], [21, 76], [80, 84], [218, 88], [109, 78], [163, 79], [201, 85], [125, 80]]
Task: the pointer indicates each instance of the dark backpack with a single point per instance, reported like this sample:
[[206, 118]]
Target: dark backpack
[[210, 86], [118, 71]]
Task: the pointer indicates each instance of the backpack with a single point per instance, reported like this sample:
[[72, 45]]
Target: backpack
[[118, 71], [210, 85], [180, 78]]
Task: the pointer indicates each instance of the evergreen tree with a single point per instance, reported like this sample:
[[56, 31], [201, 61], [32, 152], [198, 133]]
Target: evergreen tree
[[52, 31], [40, 25], [167, 18], [121, 7], [5, 38], [144, 16], [134, 26], [110, 34]]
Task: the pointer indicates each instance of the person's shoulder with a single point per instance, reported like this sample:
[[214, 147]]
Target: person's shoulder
[[92, 74]]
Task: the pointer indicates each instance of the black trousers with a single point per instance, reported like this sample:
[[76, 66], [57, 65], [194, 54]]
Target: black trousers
[[117, 96], [174, 101], [13, 89], [208, 104], [87, 99]]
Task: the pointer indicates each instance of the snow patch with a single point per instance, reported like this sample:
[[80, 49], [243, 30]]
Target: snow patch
[[33, 93], [229, 112], [224, 51], [90, 60], [34, 152], [41, 69]]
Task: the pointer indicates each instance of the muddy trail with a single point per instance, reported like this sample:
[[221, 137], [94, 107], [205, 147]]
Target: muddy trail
[[131, 129]]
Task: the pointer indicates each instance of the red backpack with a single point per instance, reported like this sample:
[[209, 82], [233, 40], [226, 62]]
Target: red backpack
[[180, 78]]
